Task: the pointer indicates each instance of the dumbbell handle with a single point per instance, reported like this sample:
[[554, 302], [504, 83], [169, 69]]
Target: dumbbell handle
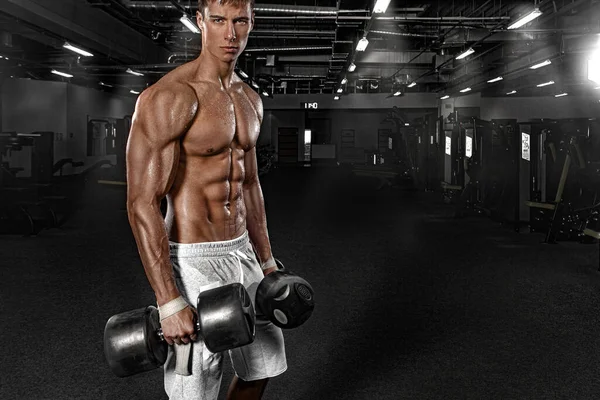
[[161, 335]]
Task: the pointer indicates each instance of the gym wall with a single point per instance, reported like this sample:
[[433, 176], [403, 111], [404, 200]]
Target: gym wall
[[363, 113], [32, 105], [35, 105]]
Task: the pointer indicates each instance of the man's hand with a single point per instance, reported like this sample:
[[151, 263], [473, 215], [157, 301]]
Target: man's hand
[[180, 328]]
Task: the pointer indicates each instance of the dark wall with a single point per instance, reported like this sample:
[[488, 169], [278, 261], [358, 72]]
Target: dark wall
[[365, 123], [34, 105]]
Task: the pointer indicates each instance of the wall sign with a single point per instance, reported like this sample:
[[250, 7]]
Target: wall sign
[[310, 106], [469, 146], [449, 145], [525, 146]]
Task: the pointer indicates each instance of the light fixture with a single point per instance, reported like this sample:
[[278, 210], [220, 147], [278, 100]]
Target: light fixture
[[185, 20], [413, 84], [134, 92], [540, 65], [362, 44], [381, 6], [526, 19], [55, 72], [132, 72], [465, 53], [444, 97], [351, 67], [336, 98], [407, 124], [340, 90], [561, 95], [495, 79], [465, 90], [255, 85], [105, 84], [398, 93], [344, 81], [77, 50], [594, 70], [243, 74], [513, 92], [265, 93], [545, 84]]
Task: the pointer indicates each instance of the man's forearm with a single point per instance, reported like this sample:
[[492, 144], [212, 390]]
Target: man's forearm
[[152, 241], [256, 223]]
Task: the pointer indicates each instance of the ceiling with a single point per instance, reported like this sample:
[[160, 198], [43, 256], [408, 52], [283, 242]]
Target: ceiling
[[307, 47]]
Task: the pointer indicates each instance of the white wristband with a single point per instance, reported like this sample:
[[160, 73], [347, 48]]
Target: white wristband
[[269, 264], [172, 307]]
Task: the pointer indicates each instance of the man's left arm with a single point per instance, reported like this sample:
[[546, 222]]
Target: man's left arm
[[256, 219]]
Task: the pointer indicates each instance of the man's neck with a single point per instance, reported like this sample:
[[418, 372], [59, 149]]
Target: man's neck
[[215, 70]]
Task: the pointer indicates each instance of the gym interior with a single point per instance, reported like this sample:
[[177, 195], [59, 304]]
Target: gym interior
[[431, 168]]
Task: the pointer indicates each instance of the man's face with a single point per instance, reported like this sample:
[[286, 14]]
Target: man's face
[[225, 29]]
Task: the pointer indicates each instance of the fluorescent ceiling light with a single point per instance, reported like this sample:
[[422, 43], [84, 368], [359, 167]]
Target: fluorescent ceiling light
[[344, 81], [495, 79], [398, 93], [381, 6], [526, 19], [362, 44], [55, 72], [594, 70], [513, 92], [336, 98], [542, 64], [351, 67], [340, 90], [444, 97], [465, 53], [265, 93], [243, 74], [413, 84], [561, 95], [255, 85], [77, 50], [185, 20], [134, 92], [105, 84], [546, 84], [407, 124], [132, 72], [465, 90]]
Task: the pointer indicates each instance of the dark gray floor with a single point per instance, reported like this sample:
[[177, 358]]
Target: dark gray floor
[[412, 304]]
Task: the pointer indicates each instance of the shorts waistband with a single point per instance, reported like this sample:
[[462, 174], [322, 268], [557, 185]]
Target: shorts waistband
[[208, 249]]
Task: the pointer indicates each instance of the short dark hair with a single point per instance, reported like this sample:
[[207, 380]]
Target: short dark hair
[[204, 3]]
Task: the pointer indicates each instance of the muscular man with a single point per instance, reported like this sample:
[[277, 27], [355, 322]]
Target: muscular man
[[193, 141]]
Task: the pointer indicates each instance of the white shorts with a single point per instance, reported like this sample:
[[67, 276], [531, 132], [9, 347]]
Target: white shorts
[[202, 266]]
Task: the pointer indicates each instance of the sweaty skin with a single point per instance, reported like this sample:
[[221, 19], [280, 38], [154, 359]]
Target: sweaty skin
[[193, 141]]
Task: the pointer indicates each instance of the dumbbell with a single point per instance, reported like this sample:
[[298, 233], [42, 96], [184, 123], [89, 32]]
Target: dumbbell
[[134, 343], [284, 298]]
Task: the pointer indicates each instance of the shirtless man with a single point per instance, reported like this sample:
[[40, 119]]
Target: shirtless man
[[193, 141]]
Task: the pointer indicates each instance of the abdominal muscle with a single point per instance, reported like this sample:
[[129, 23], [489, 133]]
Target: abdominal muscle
[[205, 203]]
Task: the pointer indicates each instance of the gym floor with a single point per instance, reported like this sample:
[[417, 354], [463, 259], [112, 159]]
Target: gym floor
[[411, 303]]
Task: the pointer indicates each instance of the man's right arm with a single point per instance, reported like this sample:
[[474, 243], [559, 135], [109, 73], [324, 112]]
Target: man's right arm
[[162, 116]]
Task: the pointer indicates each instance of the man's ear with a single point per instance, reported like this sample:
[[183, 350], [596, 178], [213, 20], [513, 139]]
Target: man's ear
[[199, 19], [252, 22]]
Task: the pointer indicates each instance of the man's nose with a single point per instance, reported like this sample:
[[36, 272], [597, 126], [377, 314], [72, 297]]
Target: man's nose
[[231, 32]]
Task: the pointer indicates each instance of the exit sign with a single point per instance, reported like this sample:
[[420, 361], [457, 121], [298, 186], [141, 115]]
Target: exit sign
[[310, 106]]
